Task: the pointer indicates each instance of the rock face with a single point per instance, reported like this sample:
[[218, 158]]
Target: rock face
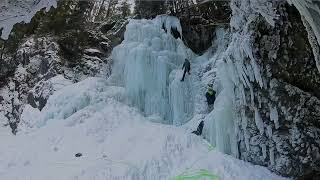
[[198, 21], [199, 24], [57, 48], [36, 59], [287, 140]]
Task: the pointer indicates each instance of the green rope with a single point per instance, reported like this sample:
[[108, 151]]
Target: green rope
[[197, 175], [201, 174], [210, 146]]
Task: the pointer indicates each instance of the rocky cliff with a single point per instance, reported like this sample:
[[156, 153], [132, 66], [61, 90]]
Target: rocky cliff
[[59, 42], [279, 123]]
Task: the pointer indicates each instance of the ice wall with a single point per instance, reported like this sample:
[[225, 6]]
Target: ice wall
[[237, 69], [220, 130], [146, 63]]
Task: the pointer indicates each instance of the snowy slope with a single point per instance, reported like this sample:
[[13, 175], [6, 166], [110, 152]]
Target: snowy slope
[[116, 141]]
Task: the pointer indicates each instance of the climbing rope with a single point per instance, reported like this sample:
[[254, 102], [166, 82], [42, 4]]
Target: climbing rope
[[202, 173], [197, 175]]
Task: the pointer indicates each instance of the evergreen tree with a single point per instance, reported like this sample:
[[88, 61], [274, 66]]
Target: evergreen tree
[[107, 9], [124, 9], [149, 9]]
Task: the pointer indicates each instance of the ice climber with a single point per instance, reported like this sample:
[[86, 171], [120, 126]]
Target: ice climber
[[187, 67], [199, 129], [211, 96]]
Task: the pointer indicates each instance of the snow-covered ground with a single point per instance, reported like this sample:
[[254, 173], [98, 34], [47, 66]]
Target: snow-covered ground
[[116, 141]]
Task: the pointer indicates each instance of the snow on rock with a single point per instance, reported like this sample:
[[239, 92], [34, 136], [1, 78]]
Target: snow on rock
[[310, 11], [41, 92], [28, 119], [273, 116], [37, 60], [13, 12], [93, 52], [310, 15], [237, 71], [116, 142]]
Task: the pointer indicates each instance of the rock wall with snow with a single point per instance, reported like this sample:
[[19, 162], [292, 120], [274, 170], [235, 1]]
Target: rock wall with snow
[[277, 99], [57, 47]]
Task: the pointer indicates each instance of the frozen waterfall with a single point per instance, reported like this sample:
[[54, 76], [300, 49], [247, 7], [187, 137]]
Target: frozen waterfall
[[148, 64]]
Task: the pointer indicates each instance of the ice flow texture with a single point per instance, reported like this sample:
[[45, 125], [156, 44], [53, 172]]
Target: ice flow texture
[[146, 65]]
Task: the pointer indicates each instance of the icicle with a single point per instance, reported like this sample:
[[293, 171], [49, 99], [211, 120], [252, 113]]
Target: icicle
[[271, 155], [169, 22], [269, 131], [244, 123], [258, 121], [274, 116], [264, 151]]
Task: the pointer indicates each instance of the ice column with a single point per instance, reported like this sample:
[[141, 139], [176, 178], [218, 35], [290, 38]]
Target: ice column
[[148, 64]]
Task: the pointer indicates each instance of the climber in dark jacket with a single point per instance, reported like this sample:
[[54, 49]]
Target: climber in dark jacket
[[199, 129], [211, 96], [187, 67]]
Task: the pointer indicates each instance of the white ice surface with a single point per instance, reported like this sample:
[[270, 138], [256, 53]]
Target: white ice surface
[[148, 65]]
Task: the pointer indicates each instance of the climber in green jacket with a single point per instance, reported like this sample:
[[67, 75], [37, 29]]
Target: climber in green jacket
[[211, 96]]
